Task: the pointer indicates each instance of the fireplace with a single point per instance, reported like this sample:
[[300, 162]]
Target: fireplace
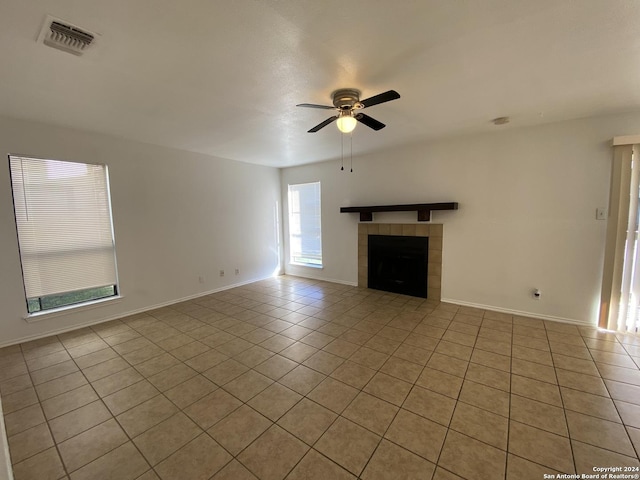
[[398, 264], [431, 232]]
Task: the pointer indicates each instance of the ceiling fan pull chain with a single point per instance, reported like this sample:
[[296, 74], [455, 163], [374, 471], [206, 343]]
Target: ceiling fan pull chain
[[351, 135], [342, 151]]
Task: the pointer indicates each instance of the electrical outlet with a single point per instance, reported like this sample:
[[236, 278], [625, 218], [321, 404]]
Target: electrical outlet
[[237, 271], [222, 273]]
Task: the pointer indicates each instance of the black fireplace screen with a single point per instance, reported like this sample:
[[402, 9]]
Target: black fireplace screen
[[399, 264]]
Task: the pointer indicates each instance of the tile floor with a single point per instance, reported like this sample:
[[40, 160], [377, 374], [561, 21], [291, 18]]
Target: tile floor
[[299, 379]]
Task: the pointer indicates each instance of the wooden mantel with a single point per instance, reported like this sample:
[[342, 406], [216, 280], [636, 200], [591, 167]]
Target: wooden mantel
[[423, 209]]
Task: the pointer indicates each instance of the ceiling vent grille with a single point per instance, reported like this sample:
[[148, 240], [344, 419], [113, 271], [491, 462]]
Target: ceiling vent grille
[[59, 34]]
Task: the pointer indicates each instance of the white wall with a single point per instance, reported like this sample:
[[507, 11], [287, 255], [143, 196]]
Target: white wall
[[177, 216], [526, 217]]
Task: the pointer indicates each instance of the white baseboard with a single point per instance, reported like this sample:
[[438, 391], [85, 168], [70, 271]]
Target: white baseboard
[[519, 312], [323, 279], [128, 313]]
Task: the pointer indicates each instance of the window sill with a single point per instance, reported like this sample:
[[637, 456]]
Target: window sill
[[310, 265], [58, 312]]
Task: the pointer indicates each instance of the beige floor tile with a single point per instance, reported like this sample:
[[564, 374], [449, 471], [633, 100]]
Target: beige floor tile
[[104, 369], [431, 405], [59, 385], [61, 404], [91, 444], [236, 431], [402, 369], [440, 382], [77, 421], [273, 454], [588, 456], [275, 401], [158, 364], [190, 391], [299, 351], [53, 372], [160, 441], [416, 355], [247, 385], [589, 404], [212, 408], [388, 388], [225, 372], [618, 374], [621, 360], [302, 379], [96, 358], [276, 367], [382, 344], [19, 400], [254, 356], [171, 377], [307, 420], [634, 435], [482, 396], [111, 384], [277, 343], [417, 434], [23, 419], [190, 350], [348, 444], [470, 458], [45, 465], [532, 355], [574, 364], [624, 391], [442, 474], [391, 461], [456, 350], [47, 360], [489, 376], [629, 412], [200, 458], [481, 425], [234, 471], [582, 382], [323, 362], [519, 469], [450, 365], [314, 466], [537, 414], [544, 448], [536, 390], [29, 442], [369, 358], [333, 394], [341, 348], [371, 412], [129, 397], [123, 463], [600, 433], [353, 374], [146, 415], [533, 370]]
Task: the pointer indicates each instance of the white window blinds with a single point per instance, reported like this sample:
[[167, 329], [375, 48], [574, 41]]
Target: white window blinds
[[305, 233], [63, 217]]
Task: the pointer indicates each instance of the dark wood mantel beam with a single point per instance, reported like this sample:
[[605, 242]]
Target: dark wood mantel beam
[[424, 210]]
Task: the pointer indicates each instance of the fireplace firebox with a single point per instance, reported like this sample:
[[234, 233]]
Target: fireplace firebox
[[398, 264]]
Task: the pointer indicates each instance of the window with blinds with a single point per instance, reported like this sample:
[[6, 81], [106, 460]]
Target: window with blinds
[[305, 231], [65, 233]]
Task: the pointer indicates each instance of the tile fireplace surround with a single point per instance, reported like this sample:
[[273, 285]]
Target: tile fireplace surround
[[431, 230]]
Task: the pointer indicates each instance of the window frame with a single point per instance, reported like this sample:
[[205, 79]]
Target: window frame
[[299, 260], [63, 307]]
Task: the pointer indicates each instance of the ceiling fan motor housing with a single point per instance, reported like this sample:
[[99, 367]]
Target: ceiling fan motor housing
[[346, 99]]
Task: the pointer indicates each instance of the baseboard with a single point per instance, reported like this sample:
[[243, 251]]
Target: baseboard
[[519, 312], [129, 313], [323, 279]]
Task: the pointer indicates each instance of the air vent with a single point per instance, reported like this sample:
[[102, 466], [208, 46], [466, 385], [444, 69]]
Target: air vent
[[62, 35]]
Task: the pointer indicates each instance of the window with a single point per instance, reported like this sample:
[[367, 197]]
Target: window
[[305, 234], [63, 219]]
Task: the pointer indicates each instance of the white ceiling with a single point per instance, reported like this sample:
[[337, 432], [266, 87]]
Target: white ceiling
[[223, 77]]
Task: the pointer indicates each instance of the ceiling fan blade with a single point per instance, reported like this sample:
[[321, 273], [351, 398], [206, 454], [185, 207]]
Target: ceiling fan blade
[[323, 124], [370, 122], [381, 98], [311, 105]]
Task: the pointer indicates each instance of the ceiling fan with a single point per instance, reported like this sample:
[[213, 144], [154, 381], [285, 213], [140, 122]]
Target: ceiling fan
[[347, 102]]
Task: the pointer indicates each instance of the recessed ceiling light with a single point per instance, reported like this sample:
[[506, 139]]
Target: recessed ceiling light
[[501, 120]]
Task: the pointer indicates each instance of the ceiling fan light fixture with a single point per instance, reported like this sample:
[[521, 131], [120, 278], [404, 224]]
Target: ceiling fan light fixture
[[346, 123]]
